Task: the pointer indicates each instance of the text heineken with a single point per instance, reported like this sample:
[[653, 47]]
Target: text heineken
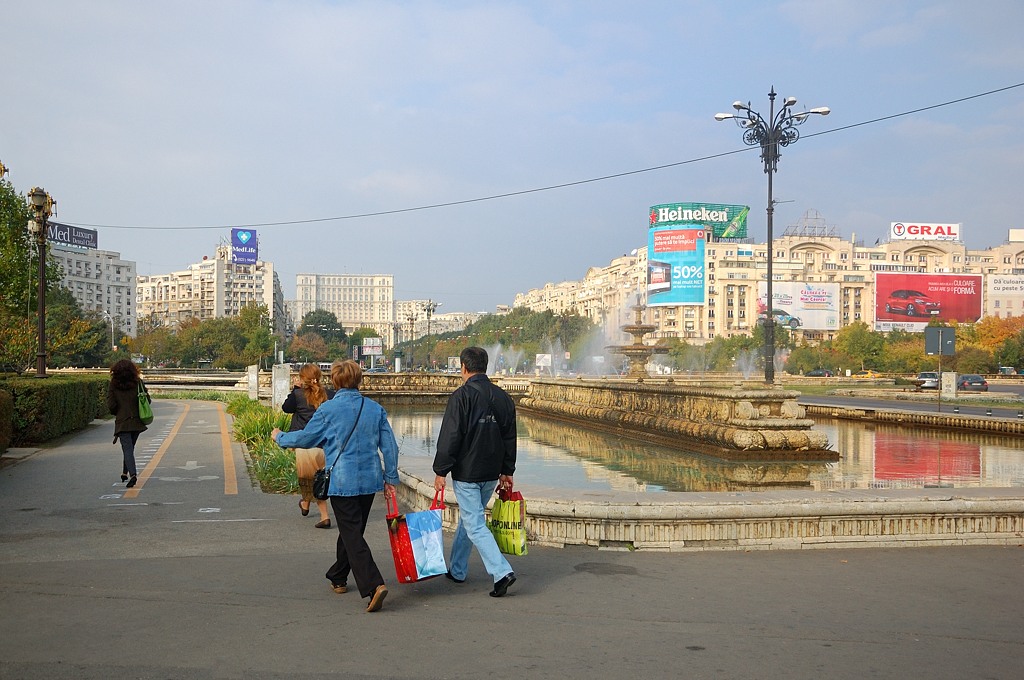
[[701, 215]]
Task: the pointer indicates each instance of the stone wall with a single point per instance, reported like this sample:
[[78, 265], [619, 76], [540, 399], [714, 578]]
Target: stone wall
[[768, 520], [742, 422]]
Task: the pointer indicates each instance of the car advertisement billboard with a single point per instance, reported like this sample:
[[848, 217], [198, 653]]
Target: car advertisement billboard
[[724, 221], [909, 301], [675, 266], [801, 305]]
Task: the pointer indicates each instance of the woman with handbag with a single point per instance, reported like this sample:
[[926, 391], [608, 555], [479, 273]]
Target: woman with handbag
[[123, 396], [302, 402], [354, 432]]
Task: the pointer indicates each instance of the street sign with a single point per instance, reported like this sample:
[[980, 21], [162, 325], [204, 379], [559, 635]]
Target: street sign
[[939, 340]]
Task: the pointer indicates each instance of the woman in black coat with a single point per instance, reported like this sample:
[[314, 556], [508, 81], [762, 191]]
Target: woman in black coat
[[123, 402], [306, 396]]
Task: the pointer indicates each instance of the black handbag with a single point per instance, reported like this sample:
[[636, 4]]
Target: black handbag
[[322, 477]]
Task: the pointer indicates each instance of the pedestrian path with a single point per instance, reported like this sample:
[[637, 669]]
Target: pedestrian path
[[189, 580]]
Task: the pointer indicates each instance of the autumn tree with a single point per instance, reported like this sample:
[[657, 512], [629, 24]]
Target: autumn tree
[[308, 347], [858, 342], [993, 331]]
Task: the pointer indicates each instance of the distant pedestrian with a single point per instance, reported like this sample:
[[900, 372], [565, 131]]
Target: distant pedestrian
[[477, 445], [123, 402], [353, 429], [302, 402]]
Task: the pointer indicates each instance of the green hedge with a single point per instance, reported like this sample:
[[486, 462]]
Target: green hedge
[[44, 409], [6, 418]]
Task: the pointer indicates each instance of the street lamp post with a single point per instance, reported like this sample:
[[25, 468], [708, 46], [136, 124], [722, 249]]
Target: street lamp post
[[412, 336], [430, 307], [779, 129], [396, 328], [111, 320], [42, 206]]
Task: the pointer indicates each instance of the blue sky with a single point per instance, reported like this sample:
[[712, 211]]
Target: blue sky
[[218, 114]]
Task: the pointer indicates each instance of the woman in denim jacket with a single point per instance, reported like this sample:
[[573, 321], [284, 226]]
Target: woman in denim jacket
[[361, 426]]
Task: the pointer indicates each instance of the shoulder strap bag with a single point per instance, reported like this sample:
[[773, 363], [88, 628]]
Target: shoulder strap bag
[[145, 409], [322, 477]]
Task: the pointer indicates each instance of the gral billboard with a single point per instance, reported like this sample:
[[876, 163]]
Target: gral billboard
[[808, 305], [675, 266], [244, 247], [917, 231], [909, 301], [724, 221]]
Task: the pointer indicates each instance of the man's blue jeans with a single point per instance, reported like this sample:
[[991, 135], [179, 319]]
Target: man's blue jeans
[[472, 498]]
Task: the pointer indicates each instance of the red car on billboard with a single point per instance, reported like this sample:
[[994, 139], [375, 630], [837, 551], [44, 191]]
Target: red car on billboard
[[912, 303], [902, 299]]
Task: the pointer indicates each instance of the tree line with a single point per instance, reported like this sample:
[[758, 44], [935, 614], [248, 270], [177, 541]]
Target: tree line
[[80, 338]]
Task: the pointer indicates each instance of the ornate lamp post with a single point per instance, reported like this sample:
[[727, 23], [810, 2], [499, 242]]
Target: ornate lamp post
[[42, 206], [779, 129], [430, 307]]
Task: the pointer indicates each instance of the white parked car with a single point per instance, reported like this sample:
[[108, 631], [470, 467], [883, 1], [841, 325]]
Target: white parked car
[[928, 380]]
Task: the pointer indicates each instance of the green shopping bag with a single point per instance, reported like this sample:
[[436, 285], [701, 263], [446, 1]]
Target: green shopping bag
[[145, 410], [508, 522]]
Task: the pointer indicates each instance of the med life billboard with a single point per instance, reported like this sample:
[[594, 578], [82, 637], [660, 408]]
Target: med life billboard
[[804, 305], [675, 266], [909, 301], [244, 248]]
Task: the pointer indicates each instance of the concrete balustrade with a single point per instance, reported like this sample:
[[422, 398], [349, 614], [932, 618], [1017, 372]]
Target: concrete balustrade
[[766, 520]]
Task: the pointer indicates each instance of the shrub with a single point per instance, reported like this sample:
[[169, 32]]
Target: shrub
[[6, 419], [46, 409], [197, 395], [273, 466]]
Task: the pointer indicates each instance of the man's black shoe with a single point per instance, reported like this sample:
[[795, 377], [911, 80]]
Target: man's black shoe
[[449, 576], [501, 586]]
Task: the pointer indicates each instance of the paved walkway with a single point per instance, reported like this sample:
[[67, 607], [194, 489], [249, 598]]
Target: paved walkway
[[200, 575]]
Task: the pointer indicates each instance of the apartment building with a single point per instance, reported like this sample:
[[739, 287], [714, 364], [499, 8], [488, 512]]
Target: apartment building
[[101, 282], [212, 288], [809, 255]]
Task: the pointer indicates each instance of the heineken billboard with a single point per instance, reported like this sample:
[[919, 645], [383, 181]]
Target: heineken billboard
[[724, 221]]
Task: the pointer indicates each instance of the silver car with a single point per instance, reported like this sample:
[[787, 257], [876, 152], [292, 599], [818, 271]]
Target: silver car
[[928, 380]]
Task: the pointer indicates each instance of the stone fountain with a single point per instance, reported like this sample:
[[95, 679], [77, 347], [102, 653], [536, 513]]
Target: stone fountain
[[638, 353]]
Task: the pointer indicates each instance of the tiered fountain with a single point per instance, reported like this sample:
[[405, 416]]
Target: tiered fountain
[[734, 422], [638, 353]]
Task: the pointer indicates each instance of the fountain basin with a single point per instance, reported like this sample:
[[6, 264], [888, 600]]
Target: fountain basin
[[734, 424]]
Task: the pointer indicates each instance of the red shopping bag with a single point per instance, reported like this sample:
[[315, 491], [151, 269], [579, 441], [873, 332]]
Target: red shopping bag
[[406, 570]]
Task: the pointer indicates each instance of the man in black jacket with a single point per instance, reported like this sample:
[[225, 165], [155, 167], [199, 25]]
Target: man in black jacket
[[477, 445]]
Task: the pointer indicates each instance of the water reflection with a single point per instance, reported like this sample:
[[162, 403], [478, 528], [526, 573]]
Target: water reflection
[[888, 457], [871, 456]]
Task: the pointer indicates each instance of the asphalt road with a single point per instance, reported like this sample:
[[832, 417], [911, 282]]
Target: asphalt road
[[931, 405], [201, 575]]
